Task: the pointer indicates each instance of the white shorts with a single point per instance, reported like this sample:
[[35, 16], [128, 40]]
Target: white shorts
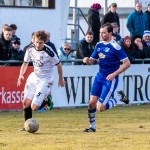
[[37, 89]]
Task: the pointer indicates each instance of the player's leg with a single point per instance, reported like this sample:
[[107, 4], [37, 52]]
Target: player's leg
[[28, 96], [50, 102], [95, 92], [108, 89], [27, 108], [42, 91], [123, 97], [92, 114], [48, 99], [29, 91]]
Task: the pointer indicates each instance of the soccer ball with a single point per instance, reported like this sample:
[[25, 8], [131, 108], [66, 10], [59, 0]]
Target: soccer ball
[[31, 125]]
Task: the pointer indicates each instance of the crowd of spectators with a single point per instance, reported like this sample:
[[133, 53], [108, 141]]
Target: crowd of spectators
[[136, 45]]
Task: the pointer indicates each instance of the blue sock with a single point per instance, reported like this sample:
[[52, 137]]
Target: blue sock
[[91, 116], [111, 103]]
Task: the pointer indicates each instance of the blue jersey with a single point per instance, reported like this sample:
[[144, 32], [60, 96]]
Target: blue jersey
[[109, 56]]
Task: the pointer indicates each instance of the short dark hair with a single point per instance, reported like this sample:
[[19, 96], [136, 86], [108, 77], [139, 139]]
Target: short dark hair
[[89, 33], [13, 27], [108, 26]]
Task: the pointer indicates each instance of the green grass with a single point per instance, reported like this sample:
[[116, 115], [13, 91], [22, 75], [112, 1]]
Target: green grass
[[121, 128]]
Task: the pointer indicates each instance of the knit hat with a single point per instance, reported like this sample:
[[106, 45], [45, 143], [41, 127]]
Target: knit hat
[[96, 6], [16, 40], [146, 33]]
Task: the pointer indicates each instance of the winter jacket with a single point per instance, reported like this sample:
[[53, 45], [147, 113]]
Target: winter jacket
[[137, 23], [148, 16], [63, 56], [146, 49], [111, 18], [84, 50], [5, 49], [94, 22]]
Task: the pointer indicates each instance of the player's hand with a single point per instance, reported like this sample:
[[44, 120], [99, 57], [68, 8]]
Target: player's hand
[[61, 83], [85, 59], [20, 79], [110, 77]]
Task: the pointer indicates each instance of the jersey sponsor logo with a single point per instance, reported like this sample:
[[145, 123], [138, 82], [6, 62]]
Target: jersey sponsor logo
[[37, 63], [101, 55], [98, 50]]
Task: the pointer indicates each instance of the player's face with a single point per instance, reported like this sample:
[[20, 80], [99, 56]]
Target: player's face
[[39, 44], [104, 34], [89, 38]]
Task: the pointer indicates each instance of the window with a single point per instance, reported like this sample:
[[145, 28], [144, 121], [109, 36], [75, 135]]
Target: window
[[28, 3]]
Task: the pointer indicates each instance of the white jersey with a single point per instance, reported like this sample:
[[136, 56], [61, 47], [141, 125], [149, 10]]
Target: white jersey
[[43, 61]]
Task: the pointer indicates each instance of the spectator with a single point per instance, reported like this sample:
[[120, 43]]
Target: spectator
[[50, 43], [14, 28], [17, 53], [64, 53], [146, 44], [6, 45], [112, 16], [85, 47], [3, 29], [94, 21], [137, 21], [148, 15], [128, 48], [28, 46], [115, 33], [138, 47]]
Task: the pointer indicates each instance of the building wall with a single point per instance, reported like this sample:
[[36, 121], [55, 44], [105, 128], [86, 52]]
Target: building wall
[[29, 20]]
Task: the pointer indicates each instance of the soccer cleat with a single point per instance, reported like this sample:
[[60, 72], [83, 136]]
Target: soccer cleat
[[22, 129], [124, 98], [89, 130], [50, 102], [41, 110]]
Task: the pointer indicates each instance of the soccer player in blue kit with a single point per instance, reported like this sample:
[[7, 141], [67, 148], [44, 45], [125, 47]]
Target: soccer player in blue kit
[[110, 55]]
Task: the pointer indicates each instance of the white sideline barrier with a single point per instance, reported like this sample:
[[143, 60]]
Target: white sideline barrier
[[135, 82]]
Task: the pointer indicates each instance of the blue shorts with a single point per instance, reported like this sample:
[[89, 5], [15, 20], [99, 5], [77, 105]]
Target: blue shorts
[[103, 88]]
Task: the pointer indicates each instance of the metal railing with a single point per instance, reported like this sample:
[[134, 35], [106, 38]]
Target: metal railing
[[76, 27], [141, 61]]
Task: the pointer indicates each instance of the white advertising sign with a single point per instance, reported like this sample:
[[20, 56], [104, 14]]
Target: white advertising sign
[[135, 82]]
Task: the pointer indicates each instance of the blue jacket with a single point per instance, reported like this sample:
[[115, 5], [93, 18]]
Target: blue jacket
[[64, 56], [137, 23]]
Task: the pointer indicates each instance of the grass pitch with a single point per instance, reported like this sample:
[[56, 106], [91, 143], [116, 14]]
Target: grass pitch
[[121, 128]]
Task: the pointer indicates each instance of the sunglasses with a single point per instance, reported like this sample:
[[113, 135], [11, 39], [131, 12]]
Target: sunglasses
[[16, 43], [67, 49]]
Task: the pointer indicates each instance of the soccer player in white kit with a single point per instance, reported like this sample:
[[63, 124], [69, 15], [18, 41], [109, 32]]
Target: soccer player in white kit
[[110, 54], [40, 81]]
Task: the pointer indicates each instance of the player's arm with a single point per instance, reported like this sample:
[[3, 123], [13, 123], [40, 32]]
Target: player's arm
[[89, 61], [22, 72], [61, 81], [125, 65]]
